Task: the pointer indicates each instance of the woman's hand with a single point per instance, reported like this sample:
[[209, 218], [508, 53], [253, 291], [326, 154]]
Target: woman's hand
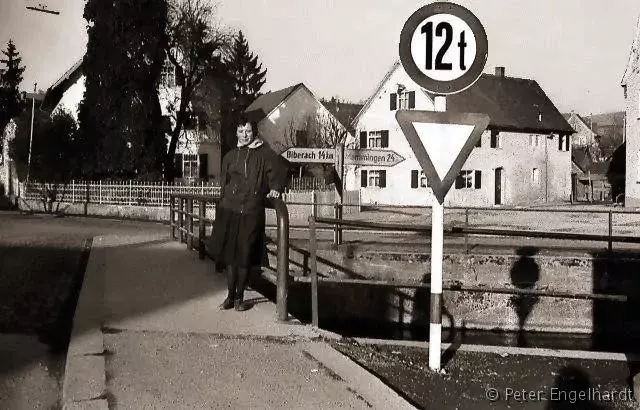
[[273, 194]]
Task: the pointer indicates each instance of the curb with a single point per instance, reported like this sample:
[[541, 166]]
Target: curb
[[376, 393], [84, 383], [524, 351]]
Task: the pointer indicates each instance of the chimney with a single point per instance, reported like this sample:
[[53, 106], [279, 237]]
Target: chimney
[[500, 71]]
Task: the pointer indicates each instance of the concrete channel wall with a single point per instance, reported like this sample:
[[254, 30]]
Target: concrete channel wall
[[594, 274]]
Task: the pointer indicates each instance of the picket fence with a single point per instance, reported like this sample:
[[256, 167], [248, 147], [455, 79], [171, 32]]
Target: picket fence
[[159, 193], [117, 192]]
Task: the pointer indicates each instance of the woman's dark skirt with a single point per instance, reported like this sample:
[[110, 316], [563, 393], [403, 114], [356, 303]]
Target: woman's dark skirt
[[238, 239]]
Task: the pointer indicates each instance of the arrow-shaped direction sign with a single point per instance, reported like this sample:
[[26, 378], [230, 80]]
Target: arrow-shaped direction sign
[[442, 142], [368, 157], [362, 157], [311, 155]]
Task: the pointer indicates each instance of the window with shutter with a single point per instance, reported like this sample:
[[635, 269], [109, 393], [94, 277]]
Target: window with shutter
[[495, 139], [560, 142], [363, 139], [459, 181], [412, 99], [393, 101], [204, 166], [384, 143], [478, 180], [383, 179], [177, 162], [363, 178], [414, 179], [567, 143]]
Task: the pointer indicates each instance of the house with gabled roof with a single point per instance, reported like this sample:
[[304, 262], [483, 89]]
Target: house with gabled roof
[[294, 117], [198, 152], [524, 156], [285, 116], [585, 135], [631, 88]]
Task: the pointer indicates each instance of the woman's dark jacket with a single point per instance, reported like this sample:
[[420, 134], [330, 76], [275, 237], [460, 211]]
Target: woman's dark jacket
[[248, 174]]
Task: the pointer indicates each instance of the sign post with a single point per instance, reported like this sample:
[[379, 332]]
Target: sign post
[[443, 48], [340, 157]]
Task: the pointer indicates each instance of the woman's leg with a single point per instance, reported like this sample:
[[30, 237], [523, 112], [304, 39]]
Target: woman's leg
[[243, 275], [232, 279]]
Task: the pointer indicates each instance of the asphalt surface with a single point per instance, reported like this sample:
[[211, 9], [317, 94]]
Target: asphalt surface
[[40, 261], [189, 371]]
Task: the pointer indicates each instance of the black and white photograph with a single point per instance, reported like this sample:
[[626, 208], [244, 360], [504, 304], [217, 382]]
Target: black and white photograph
[[322, 204]]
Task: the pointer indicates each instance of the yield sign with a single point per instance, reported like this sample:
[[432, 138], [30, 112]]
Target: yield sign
[[442, 142]]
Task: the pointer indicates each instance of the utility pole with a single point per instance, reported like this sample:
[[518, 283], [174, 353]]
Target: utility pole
[[33, 109]]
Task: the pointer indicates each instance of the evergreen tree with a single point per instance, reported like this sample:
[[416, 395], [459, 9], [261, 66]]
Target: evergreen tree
[[11, 101], [247, 78], [120, 118]]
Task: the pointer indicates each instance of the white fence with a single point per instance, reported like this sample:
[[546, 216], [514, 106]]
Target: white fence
[[158, 194], [116, 192], [322, 201]]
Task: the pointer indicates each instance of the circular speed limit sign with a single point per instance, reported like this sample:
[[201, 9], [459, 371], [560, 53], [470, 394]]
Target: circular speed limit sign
[[443, 48]]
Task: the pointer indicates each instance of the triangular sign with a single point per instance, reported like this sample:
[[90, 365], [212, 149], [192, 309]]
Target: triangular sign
[[442, 142]]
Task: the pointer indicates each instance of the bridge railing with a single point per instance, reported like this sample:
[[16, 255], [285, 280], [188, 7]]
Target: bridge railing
[[314, 279], [183, 218]]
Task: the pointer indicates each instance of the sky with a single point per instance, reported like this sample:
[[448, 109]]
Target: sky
[[576, 50]]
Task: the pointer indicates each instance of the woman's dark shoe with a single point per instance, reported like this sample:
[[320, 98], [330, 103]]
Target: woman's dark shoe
[[227, 304], [240, 305]]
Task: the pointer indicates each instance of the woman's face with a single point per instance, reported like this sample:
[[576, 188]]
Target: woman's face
[[244, 134]]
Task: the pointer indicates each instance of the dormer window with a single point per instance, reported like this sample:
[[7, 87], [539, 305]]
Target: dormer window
[[403, 100]]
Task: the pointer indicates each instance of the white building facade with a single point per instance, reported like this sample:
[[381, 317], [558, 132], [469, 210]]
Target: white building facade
[[512, 165]]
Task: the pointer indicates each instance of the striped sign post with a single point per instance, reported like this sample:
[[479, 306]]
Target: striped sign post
[[443, 48]]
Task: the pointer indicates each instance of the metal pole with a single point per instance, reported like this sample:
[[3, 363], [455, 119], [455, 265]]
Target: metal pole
[[610, 231], [466, 226], [314, 270], [435, 313], [282, 215], [336, 239], [181, 219], [172, 216], [437, 250], [33, 109], [190, 224], [201, 228]]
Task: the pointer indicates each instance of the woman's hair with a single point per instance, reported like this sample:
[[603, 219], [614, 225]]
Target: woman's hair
[[243, 119]]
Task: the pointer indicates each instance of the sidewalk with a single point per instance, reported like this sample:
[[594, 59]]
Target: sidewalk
[[148, 334]]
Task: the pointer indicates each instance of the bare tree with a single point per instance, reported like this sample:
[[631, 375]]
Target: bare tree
[[196, 47]]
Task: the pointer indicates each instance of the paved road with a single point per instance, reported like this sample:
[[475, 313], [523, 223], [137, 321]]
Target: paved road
[[39, 257]]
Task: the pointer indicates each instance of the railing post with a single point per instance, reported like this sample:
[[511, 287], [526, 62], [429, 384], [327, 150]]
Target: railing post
[[99, 191], [466, 227], [313, 262], [162, 193], [190, 224], [172, 216], [73, 192], [610, 232], [282, 296], [336, 239], [314, 210], [201, 228], [340, 226], [130, 193], [181, 218]]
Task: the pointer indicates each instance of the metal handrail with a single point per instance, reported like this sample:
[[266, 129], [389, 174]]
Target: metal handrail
[[314, 279], [185, 225]]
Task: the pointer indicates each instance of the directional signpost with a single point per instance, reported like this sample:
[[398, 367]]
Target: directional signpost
[[443, 48], [362, 157]]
